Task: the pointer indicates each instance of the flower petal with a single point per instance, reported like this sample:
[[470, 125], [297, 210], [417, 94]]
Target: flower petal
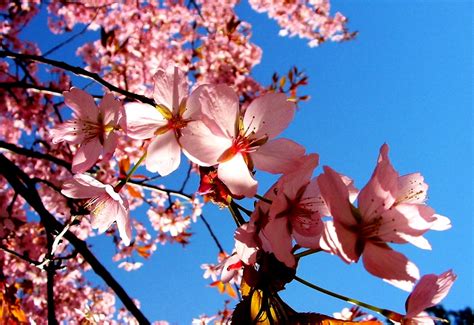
[[170, 87], [110, 108], [86, 156], [82, 104], [278, 156], [123, 223], [268, 115], [393, 267], [235, 174], [201, 145], [278, 235], [411, 189], [219, 106], [143, 120], [429, 291], [163, 154], [82, 186], [110, 143], [336, 195], [246, 245], [380, 192]]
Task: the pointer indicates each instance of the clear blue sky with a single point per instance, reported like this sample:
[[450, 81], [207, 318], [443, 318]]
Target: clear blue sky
[[406, 80]]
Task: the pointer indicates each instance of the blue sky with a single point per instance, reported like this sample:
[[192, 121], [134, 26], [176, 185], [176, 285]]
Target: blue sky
[[406, 80]]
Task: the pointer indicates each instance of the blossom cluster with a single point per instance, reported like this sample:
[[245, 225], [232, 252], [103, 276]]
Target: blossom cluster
[[210, 128]]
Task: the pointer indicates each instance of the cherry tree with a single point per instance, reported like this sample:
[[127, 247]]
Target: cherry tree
[[170, 84]]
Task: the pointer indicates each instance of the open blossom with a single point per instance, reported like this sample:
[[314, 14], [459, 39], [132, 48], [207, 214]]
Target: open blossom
[[239, 141], [163, 123], [93, 128], [391, 210], [105, 204], [295, 212]]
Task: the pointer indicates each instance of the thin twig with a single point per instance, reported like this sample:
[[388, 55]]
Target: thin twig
[[77, 71], [34, 154], [211, 232]]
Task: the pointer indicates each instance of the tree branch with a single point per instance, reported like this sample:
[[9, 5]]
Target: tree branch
[[34, 154], [77, 71], [22, 184]]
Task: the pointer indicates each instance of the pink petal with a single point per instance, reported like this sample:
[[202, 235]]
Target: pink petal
[[123, 223], [268, 115], [170, 87], [313, 199], [341, 241], [440, 223], [293, 183], [103, 217], [383, 262], [380, 192], [336, 195], [411, 189], [82, 186], [235, 174], [110, 108], [219, 105], [82, 104], [404, 218], [163, 154], [86, 156], [201, 145], [110, 143], [278, 156], [67, 131], [278, 235], [143, 120], [429, 291], [246, 245], [228, 271], [307, 230]]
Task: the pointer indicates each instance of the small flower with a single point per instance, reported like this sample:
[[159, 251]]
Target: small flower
[[163, 123], [391, 209], [94, 128], [239, 141], [105, 204]]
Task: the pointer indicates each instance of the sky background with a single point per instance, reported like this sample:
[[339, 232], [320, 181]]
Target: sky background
[[406, 80]]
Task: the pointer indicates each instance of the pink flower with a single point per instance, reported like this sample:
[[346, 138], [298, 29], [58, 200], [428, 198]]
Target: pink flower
[[105, 204], [238, 142], [163, 123], [429, 291], [94, 128], [295, 212], [391, 210]]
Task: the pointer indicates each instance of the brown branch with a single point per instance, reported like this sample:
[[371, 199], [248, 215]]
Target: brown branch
[[35, 154], [77, 71], [22, 184], [36, 88]]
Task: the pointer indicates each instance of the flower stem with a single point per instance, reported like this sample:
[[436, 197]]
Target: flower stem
[[384, 312], [234, 210], [130, 173], [262, 198], [307, 252]]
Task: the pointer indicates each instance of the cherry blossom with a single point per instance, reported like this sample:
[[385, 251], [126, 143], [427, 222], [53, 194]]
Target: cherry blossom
[[237, 142], [94, 128], [391, 210], [164, 122], [105, 204]]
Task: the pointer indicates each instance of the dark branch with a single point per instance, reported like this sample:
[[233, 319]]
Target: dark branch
[[77, 71], [34, 154]]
